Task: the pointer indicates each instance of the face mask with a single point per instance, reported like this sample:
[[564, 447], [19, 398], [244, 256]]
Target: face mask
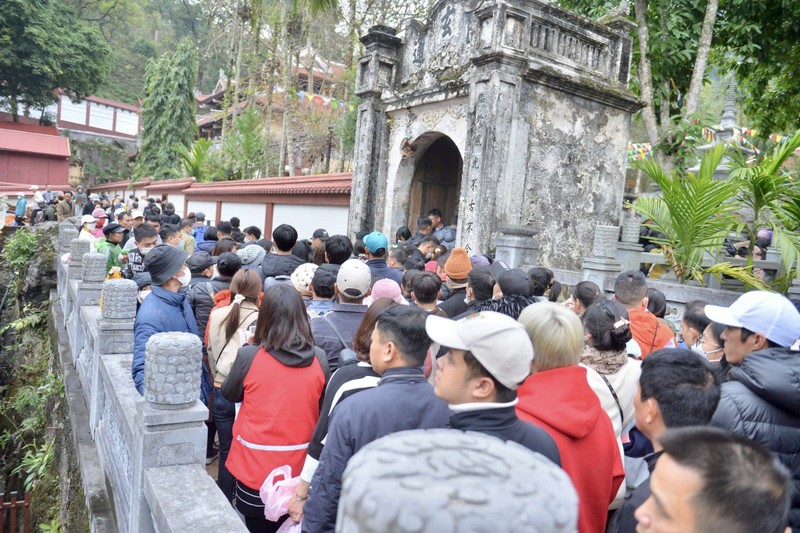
[[144, 250], [185, 278]]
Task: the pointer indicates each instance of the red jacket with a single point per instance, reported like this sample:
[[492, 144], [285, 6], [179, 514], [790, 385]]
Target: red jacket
[[649, 332], [561, 402]]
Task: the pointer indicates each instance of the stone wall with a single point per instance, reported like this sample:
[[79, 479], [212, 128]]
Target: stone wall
[[135, 454], [535, 99]]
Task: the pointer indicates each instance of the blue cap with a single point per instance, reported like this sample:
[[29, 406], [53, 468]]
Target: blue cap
[[375, 241]]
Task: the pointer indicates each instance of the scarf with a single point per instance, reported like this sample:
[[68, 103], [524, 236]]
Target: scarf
[[608, 362], [455, 285]]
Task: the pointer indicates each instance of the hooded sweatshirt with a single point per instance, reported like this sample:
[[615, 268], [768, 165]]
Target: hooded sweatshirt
[[649, 332], [561, 402]]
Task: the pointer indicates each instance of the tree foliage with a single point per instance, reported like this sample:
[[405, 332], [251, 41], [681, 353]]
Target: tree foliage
[[168, 118], [695, 212], [44, 47]]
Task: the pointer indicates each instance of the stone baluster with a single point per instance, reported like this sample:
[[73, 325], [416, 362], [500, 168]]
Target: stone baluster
[[66, 232], [478, 478], [170, 427], [629, 251], [114, 336], [84, 291], [77, 248], [603, 262], [794, 289], [517, 246]]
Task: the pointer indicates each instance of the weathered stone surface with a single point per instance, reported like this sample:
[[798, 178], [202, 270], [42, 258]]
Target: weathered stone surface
[[176, 511], [172, 370], [77, 249], [119, 299], [533, 101], [66, 232], [479, 484], [630, 230], [605, 241], [93, 267]]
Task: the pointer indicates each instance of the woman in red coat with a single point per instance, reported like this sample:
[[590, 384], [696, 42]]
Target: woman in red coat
[[557, 397], [279, 382]]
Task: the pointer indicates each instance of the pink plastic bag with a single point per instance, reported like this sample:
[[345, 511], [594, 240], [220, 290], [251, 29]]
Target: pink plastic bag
[[289, 526], [276, 495]]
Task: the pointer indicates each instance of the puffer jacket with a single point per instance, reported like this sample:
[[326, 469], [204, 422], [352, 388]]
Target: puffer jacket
[[761, 401], [160, 312], [201, 299]]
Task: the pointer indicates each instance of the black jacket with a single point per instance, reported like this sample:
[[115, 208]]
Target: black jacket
[[169, 217], [502, 422], [455, 304], [761, 401], [200, 295], [623, 520], [280, 265]]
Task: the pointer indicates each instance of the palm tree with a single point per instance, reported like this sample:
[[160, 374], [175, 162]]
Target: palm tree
[[772, 194], [194, 160], [696, 213]]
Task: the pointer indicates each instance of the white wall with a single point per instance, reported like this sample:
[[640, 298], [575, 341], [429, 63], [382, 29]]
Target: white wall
[[307, 218], [177, 201], [73, 112], [101, 116], [127, 122], [249, 214], [208, 208]]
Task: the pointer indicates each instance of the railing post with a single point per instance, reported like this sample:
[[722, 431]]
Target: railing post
[[170, 427], [629, 251], [85, 291], [603, 262], [392, 475], [77, 248], [114, 335], [517, 246]]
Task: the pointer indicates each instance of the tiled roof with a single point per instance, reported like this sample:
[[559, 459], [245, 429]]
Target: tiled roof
[[170, 185], [317, 184], [33, 143]]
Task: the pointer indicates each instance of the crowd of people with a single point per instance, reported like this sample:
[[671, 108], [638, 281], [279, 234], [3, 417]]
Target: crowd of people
[[313, 348]]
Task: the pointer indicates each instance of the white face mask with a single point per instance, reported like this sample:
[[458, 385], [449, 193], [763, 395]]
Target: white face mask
[[185, 277]]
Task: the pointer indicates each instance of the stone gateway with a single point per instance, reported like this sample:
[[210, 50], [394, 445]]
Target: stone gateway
[[499, 113]]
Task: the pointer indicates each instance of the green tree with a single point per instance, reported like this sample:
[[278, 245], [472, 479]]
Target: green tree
[[168, 118], [44, 47]]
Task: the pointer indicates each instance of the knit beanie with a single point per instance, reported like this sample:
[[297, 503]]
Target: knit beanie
[[458, 265], [163, 262], [251, 255]]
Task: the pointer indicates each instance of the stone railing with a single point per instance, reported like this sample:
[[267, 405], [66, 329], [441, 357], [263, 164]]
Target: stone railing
[[613, 254], [145, 456]]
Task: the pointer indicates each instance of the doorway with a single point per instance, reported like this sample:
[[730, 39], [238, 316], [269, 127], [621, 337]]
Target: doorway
[[436, 182]]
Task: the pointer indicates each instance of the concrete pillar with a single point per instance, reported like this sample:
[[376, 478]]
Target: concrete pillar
[[170, 427], [480, 483], [77, 249], [66, 232], [603, 262], [517, 246]]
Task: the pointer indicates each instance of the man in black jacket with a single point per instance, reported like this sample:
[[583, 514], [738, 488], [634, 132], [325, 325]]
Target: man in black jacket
[[280, 263], [677, 388], [201, 293], [761, 397], [489, 356]]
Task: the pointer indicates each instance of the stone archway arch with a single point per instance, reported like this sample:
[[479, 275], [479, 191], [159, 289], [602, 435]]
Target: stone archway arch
[[428, 176]]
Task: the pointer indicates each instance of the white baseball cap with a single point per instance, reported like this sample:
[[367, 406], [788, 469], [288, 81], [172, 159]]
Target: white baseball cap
[[497, 341], [768, 313], [87, 219], [354, 278]]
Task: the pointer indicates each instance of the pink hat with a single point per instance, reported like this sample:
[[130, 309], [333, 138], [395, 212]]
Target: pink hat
[[99, 213], [386, 288]]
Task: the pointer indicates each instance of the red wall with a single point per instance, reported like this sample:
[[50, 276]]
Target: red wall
[[31, 169]]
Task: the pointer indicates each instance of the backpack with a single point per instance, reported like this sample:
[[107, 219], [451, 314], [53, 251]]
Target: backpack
[[346, 353]]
